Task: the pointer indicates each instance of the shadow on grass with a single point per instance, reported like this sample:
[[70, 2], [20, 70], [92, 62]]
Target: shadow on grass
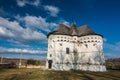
[[36, 74], [57, 75], [109, 75]]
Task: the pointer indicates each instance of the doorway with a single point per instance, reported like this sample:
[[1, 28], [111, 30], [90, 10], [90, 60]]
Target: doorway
[[49, 64]]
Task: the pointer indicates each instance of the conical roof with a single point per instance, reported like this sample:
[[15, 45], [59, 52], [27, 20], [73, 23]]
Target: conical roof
[[73, 30], [85, 30], [73, 26]]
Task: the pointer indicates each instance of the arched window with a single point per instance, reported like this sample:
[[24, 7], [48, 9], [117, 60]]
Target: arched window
[[64, 40], [67, 50], [86, 45], [60, 44], [81, 42], [50, 55], [94, 44]]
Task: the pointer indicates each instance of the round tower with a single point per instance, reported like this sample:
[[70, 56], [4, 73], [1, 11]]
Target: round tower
[[75, 48]]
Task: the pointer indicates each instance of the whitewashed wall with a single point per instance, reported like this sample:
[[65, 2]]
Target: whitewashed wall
[[89, 54]]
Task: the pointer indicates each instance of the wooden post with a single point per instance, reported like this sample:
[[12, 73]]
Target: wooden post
[[1, 59], [20, 63]]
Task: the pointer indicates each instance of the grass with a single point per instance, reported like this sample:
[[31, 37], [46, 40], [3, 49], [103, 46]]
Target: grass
[[37, 74]]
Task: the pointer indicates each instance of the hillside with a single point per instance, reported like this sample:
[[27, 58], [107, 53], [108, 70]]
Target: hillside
[[113, 64]]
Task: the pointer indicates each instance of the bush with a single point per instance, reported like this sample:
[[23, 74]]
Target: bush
[[33, 62]]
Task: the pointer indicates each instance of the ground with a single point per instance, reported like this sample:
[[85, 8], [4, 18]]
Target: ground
[[37, 74]]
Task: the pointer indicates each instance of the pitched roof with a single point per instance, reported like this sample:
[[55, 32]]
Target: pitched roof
[[73, 30]]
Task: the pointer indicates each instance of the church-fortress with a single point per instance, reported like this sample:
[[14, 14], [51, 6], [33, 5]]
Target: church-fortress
[[75, 48]]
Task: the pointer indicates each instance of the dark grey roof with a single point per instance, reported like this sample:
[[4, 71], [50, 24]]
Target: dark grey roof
[[73, 30]]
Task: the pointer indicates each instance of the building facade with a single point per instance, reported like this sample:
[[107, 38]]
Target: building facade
[[72, 48]]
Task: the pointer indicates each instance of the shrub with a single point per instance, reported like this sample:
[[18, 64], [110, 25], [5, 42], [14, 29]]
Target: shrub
[[33, 62]]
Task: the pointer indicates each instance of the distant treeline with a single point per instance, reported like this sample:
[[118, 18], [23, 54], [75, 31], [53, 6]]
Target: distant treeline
[[14, 63], [33, 62], [113, 64]]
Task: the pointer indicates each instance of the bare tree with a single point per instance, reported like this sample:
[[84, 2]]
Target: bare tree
[[100, 56], [61, 57], [75, 59]]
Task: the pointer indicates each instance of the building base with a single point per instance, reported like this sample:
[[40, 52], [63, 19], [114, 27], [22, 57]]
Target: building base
[[87, 67]]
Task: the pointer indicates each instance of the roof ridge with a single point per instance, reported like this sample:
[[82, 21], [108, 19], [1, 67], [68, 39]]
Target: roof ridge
[[73, 30]]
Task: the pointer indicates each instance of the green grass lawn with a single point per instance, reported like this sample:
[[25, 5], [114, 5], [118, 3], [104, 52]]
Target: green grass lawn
[[37, 74]]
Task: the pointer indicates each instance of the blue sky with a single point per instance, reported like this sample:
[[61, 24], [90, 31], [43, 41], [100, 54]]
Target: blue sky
[[24, 24]]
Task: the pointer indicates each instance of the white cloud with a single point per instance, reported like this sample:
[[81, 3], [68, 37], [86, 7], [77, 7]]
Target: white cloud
[[53, 11], [30, 33], [17, 50], [111, 55], [112, 50], [32, 36], [114, 47], [12, 25], [22, 3], [19, 18], [18, 33], [4, 33], [65, 22], [39, 23], [36, 2], [105, 39]]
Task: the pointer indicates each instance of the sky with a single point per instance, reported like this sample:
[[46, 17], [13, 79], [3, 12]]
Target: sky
[[24, 24]]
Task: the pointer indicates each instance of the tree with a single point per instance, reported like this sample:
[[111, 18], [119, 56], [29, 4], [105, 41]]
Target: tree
[[75, 59], [33, 62]]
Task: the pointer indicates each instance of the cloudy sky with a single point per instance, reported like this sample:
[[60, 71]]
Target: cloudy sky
[[24, 24]]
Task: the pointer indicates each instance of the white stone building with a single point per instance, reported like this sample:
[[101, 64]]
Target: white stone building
[[72, 48]]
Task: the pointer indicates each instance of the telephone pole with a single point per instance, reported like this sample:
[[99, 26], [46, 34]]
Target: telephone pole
[[1, 60], [20, 61]]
